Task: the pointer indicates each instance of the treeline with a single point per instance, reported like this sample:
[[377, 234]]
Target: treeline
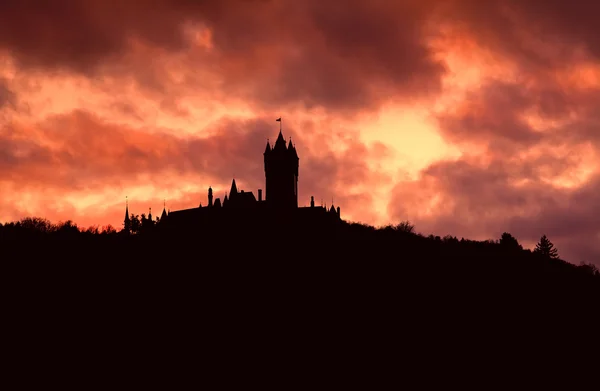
[[143, 229], [425, 289]]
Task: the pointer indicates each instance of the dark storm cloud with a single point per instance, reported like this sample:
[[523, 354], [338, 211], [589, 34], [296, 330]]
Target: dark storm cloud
[[339, 55], [538, 34]]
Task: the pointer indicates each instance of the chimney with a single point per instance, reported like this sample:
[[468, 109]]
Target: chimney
[[312, 201], [259, 195]]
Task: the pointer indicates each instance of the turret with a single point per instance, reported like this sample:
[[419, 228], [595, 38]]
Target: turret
[[210, 196], [233, 190], [163, 216], [127, 222]]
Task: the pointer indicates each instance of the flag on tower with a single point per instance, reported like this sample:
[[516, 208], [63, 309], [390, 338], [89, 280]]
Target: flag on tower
[[278, 119]]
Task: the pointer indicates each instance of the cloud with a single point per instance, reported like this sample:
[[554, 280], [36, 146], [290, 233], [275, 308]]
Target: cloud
[[8, 98], [478, 201], [532, 169], [79, 152], [268, 52]]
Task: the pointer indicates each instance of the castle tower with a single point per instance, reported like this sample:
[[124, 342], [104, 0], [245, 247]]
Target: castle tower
[[281, 174]]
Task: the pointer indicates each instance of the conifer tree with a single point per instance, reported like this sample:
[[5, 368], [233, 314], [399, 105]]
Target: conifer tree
[[546, 248]]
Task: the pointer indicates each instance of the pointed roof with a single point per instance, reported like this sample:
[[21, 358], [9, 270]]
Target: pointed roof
[[233, 188], [126, 209], [332, 209], [280, 143], [292, 149], [164, 212], [268, 148]]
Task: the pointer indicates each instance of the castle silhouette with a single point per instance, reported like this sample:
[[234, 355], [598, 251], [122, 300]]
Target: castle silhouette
[[281, 165]]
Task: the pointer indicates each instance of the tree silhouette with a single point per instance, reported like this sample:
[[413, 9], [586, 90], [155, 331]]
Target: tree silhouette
[[405, 226], [37, 224], [94, 230], [136, 223], [546, 248], [67, 228], [509, 242], [590, 269], [109, 229]]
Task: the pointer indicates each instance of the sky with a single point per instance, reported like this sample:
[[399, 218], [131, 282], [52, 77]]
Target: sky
[[465, 117]]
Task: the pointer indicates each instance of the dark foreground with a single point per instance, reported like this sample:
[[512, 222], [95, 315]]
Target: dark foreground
[[295, 302]]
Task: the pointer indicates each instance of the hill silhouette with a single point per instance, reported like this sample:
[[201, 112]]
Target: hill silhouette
[[290, 243], [361, 294]]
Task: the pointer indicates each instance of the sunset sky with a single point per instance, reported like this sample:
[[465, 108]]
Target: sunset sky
[[466, 117]]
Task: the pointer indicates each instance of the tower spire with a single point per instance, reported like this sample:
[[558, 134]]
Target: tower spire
[[164, 212], [233, 189], [126, 221]]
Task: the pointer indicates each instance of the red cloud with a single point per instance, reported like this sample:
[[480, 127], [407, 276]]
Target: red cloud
[[268, 52], [80, 152]]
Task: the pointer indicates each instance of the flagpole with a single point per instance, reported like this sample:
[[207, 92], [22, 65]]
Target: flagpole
[[280, 123]]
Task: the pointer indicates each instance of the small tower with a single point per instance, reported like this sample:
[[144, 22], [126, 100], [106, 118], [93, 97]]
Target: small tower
[[312, 201], [163, 216], [210, 197], [234, 189], [150, 214], [127, 222]]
